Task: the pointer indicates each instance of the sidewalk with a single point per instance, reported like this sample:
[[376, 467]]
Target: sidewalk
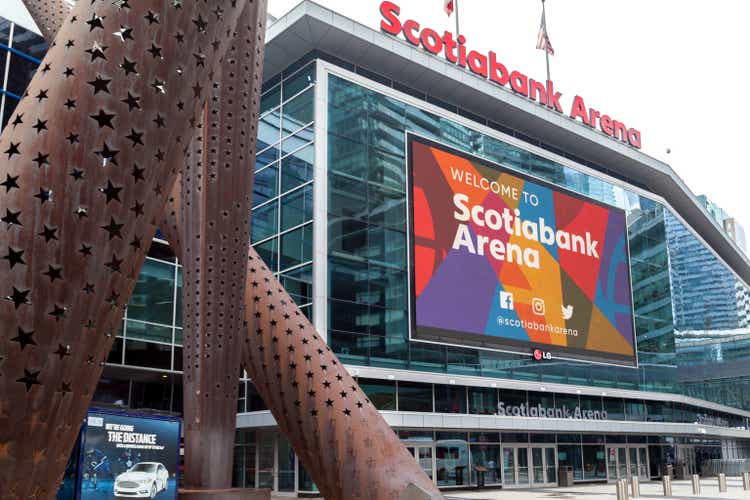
[[650, 489]]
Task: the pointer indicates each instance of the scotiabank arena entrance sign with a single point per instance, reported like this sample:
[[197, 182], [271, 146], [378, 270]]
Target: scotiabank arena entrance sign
[[503, 261]]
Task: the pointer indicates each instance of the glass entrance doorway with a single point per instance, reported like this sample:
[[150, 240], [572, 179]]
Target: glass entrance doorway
[[525, 466], [624, 462], [423, 453]]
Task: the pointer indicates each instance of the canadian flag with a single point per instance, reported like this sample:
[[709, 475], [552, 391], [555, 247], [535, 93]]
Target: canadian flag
[[448, 7]]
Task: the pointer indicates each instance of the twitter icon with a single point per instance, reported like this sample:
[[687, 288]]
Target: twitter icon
[[567, 312]]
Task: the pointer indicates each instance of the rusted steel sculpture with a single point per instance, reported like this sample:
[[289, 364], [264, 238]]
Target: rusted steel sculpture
[[83, 176], [340, 437], [352, 455], [216, 189]]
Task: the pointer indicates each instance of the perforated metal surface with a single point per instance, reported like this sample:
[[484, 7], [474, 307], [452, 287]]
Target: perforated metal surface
[[216, 205], [340, 437], [85, 175], [49, 15]]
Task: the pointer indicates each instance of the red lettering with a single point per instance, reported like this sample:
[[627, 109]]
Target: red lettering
[[410, 28], [579, 110], [553, 98], [519, 83], [450, 47], [498, 67], [606, 125], [390, 23], [478, 63], [593, 115], [431, 41], [537, 92], [621, 132], [461, 51], [634, 138]]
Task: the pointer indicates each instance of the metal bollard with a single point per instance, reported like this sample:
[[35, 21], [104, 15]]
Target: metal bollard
[[722, 482], [666, 483], [635, 487], [746, 481], [696, 484], [622, 489]]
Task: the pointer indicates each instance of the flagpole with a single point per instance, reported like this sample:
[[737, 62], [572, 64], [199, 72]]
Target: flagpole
[[458, 33], [546, 50]]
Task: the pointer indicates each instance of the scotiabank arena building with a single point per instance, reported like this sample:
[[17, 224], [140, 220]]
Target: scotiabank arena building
[[514, 283]]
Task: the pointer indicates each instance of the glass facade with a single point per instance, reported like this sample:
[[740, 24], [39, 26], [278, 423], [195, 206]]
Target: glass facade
[[21, 51], [367, 262]]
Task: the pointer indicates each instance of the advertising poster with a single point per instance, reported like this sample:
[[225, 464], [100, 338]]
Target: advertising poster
[[503, 261], [128, 456]]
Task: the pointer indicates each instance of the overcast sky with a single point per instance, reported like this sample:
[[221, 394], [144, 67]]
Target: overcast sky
[[675, 70]]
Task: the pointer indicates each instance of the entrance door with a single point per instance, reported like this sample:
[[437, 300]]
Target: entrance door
[[510, 478], [424, 455], [544, 466], [624, 462]]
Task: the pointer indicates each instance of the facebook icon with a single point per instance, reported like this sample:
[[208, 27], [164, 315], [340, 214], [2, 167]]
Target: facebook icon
[[506, 300]]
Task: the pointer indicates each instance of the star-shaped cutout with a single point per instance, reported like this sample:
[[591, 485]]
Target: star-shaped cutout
[[113, 228], [81, 212], [24, 338], [97, 51], [135, 137], [88, 288], [154, 51], [180, 37], [124, 33], [137, 209], [197, 90], [62, 350], [40, 126], [13, 150], [53, 273], [69, 72], [159, 86], [111, 192], [14, 257], [103, 119], [44, 195], [10, 182], [108, 154], [85, 250], [19, 297], [11, 218], [137, 173], [70, 103], [132, 101], [77, 174], [128, 66], [30, 378], [49, 233], [159, 121], [152, 18], [41, 159], [58, 312], [42, 95], [201, 24], [114, 264], [95, 22], [100, 84], [18, 120]]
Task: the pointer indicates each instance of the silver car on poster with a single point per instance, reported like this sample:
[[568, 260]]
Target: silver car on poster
[[142, 480]]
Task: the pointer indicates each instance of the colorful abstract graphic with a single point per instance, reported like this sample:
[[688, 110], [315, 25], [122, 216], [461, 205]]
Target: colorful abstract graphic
[[506, 262]]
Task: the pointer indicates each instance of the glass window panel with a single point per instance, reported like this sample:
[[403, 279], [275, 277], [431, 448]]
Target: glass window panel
[[382, 393], [386, 246], [296, 247], [594, 462], [153, 395], [266, 185], [346, 197], [450, 399], [483, 400], [296, 207], [254, 401], [148, 332], [266, 157], [5, 31], [28, 42], [484, 437], [298, 283], [115, 354], [413, 396], [388, 287], [148, 354], [20, 76], [345, 316], [571, 456], [270, 99], [299, 139], [452, 462], [615, 408], [347, 279], [297, 168], [635, 410], [269, 130], [347, 237], [385, 207], [306, 484], [153, 297], [269, 252], [264, 222], [298, 112], [299, 81], [347, 157], [350, 347]]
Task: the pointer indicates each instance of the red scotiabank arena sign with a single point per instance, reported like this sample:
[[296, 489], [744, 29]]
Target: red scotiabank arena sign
[[487, 66]]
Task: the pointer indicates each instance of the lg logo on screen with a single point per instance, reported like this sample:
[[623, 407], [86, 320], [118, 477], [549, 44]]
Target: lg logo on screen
[[540, 355]]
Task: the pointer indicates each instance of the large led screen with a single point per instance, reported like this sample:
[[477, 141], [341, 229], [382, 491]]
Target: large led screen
[[503, 261]]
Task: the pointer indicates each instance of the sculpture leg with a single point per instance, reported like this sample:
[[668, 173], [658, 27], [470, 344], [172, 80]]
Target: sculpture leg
[[217, 184], [84, 176]]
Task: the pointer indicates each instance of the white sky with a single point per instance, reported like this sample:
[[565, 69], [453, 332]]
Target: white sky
[[675, 70]]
